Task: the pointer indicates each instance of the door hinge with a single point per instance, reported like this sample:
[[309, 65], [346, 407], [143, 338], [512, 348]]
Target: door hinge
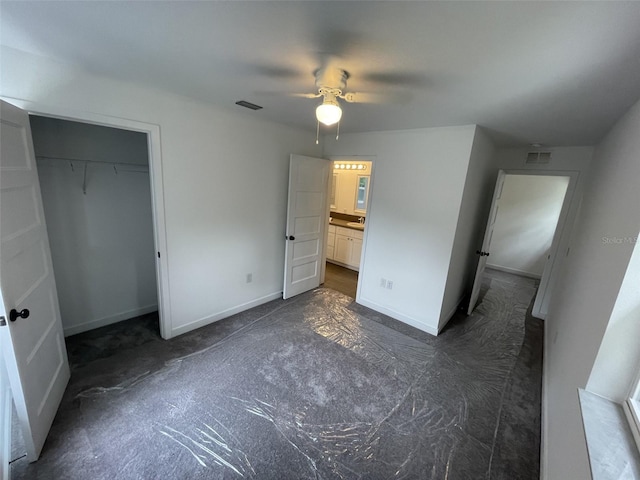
[[3, 321]]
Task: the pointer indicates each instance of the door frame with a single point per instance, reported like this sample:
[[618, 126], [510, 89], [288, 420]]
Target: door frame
[[157, 187], [560, 235], [360, 158]]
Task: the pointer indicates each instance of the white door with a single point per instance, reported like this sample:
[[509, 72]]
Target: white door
[[307, 216], [5, 422], [32, 344], [486, 243]]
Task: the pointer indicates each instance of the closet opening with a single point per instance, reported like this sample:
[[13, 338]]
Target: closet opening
[[97, 196]]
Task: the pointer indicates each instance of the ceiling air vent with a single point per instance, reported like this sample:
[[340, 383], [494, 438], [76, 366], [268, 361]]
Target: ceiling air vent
[[250, 105], [538, 158]]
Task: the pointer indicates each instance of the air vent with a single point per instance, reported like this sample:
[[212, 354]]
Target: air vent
[[538, 158], [250, 105]]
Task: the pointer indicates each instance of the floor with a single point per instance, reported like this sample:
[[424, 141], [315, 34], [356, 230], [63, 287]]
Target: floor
[[341, 279], [314, 387]]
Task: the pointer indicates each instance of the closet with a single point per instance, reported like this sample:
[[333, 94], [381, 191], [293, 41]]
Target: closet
[[96, 194]]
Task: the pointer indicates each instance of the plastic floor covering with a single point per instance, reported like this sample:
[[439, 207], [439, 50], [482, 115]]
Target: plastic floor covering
[[315, 387]]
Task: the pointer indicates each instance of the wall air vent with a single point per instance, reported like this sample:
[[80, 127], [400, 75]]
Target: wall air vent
[[538, 158], [250, 105]]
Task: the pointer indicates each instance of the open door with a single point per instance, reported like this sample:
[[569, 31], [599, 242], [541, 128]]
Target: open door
[[306, 224], [486, 242], [31, 335]]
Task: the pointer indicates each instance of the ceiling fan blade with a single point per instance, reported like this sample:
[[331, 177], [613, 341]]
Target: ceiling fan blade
[[370, 97], [278, 72], [405, 79], [303, 95], [271, 93]]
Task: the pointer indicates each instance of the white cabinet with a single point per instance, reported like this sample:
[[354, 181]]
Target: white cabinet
[[348, 247]]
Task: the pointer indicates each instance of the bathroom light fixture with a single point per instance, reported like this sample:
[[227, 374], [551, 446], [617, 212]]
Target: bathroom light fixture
[[349, 166]]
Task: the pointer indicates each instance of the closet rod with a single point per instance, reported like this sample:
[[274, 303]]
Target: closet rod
[[93, 161]]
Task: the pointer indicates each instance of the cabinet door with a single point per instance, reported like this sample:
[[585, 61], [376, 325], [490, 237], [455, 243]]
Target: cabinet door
[[331, 241], [342, 251], [356, 252]]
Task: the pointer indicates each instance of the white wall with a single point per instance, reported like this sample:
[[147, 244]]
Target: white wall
[[618, 361], [527, 218], [225, 183], [472, 220], [102, 242], [586, 293], [416, 193]]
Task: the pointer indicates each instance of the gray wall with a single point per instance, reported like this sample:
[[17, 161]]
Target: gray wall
[[416, 193], [587, 291], [472, 220]]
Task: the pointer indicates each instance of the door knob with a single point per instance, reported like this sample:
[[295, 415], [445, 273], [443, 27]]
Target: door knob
[[291, 237], [14, 314]]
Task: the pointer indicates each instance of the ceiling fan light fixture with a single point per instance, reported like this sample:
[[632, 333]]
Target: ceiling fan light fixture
[[329, 112]]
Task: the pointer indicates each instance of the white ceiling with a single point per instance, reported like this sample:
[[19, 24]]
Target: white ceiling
[[555, 73]]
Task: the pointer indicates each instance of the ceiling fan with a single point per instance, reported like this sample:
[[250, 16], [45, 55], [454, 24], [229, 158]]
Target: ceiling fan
[[331, 82], [331, 78]]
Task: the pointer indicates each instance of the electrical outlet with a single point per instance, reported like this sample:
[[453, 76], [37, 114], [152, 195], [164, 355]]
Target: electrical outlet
[[383, 283], [389, 285], [249, 277]]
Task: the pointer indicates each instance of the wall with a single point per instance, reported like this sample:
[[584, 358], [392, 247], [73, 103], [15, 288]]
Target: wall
[[66, 139], [527, 218], [225, 183], [586, 293], [102, 242], [618, 361], [472, 220], [416, 193]]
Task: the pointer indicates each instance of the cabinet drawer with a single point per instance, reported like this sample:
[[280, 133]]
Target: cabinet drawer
[[350, 232], [356, 234]]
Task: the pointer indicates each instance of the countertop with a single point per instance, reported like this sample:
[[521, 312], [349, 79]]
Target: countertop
[[344, 223]]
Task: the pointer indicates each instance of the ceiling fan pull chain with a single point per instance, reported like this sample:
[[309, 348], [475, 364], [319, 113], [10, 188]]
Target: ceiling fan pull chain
[[338, 130], [317, 130]]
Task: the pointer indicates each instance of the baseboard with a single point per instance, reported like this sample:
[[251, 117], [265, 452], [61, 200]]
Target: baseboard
[[340, 264], [398, 316], [514, 271], [450, 314], [223, 314], [101, 322]]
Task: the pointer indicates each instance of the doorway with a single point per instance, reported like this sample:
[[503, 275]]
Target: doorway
[[96, 193], [525, 227], [349, 193]]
